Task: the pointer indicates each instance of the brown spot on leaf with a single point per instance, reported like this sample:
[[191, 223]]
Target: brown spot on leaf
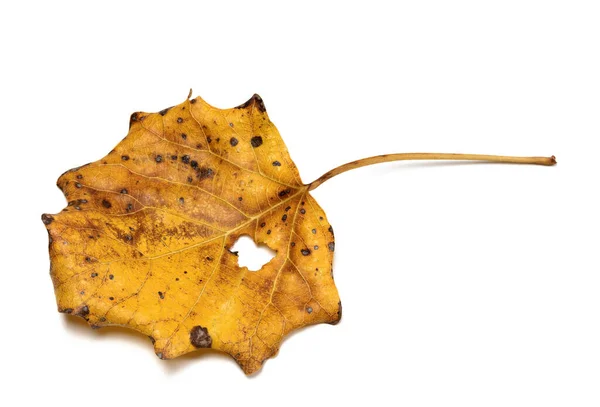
[[256, 141], [204, 173], [164, 111], [47, 219], [200, 338], [83, 311]]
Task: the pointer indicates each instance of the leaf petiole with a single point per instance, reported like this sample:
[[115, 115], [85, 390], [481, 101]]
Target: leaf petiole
[[548, 161]]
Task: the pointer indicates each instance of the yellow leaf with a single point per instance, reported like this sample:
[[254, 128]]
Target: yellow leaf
[[145, 240]]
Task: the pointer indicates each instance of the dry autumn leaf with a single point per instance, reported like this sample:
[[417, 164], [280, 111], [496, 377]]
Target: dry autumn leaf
[[145, 240]]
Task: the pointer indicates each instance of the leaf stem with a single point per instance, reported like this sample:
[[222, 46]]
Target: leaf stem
[[429, 156]]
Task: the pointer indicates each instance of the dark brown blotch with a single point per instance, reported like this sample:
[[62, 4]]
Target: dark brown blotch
[[83, 311], [47, 219], [164, 111], [284, 192], [200, 338], [256, 141], [133, 118], [204, 173]]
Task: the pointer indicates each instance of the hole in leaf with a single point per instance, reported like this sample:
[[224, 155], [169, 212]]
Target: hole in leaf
[[250, 254]]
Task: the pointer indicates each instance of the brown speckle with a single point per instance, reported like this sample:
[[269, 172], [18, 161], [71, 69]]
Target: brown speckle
[[284, 192], [331, 246], [124, 191], [133, 118], [339, 314], [181, 200], [316, 247], [179, 120], [183, 136], [200, 338], [194, 164], [314, 231], [158, 158], [269, 232], [302, 211], [164, 111], [284, 217], [106, 204], [83, 311], [204, 173], [161, 295], [124, 157], [309, 310], [185, 159], [262, 225], [305, 252], [112, 277], [259, 103], [233, 141], [276, 164]]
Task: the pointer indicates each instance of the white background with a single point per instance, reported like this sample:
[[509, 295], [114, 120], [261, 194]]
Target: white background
[[462, 284]]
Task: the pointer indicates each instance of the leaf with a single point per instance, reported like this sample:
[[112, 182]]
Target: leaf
[[145, 240]]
